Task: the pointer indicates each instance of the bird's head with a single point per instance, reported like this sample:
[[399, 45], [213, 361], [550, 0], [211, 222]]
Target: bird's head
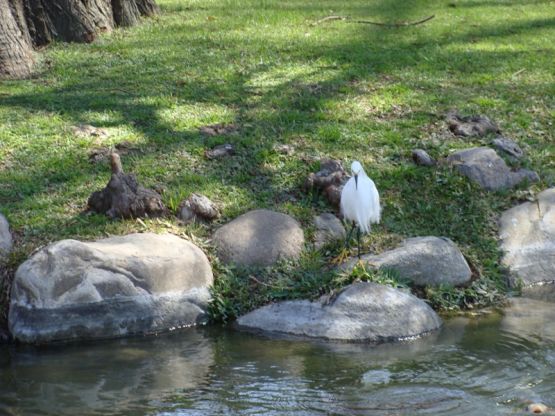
[[356, 168]]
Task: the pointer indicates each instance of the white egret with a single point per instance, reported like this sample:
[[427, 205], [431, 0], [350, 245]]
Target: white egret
[[360, 202]]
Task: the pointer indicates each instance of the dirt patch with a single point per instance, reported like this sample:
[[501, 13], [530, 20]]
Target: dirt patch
[[220, 129]]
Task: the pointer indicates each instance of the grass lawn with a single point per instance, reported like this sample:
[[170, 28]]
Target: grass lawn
[[336, 89]]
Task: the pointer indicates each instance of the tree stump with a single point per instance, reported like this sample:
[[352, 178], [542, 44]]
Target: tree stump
[[123, 197]]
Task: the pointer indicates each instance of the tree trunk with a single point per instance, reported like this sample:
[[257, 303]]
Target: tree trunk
[[26, 23], [126, 13], [147, 7], [16, 54]]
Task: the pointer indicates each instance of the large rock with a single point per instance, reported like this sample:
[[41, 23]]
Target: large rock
[[483, 166], [426, 261], [259, 238], [134, 284], [5, 237], [527, 234], [362, 312]]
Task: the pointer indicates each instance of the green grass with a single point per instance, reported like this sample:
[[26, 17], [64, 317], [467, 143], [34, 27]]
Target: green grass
[[337, 89]]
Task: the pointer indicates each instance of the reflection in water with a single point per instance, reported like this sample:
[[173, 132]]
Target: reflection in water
[[492, 365], [104, 378]]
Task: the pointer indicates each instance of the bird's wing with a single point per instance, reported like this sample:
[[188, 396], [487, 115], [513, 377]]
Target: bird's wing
[[375, 209]]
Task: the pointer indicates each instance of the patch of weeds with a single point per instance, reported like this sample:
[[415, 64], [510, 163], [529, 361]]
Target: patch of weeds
[[385, 276], [238, 290], [480, 293]]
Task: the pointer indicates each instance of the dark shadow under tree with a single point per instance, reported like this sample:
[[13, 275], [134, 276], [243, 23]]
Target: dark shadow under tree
[[26, 25]]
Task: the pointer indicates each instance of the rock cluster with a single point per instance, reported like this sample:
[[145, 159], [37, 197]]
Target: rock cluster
[[468, 126], [329, 179], [483, 166]]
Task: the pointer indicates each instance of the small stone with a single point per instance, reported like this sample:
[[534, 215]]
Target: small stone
[[259, 238], [197, 206], [422, 158], [537, 408], [328, 229], [468, 126], [508, 146], [219, 151], [5, 237]]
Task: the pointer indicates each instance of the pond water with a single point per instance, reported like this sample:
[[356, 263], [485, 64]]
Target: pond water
[[493, 365]]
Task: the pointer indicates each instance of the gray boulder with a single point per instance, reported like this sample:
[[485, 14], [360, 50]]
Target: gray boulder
[[5, 237], [361, 312], [259, 238], [328, 228], [134, 284], [483, 166], [426, 261], [527, 234]]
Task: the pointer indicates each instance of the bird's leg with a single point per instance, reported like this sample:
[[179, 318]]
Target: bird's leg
[[344, 254], [350, 234], [358, 241]]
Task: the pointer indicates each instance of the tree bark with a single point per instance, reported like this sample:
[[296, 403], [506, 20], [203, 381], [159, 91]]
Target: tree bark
[[36, 23], [147, 7], [16, 54], [126, 13]]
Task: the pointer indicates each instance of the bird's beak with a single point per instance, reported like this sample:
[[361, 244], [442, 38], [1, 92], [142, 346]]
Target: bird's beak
[[356, 181]]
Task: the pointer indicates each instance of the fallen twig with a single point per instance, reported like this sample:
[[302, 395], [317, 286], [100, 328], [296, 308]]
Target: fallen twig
[[327, 19], [369, 22], [518, 73], [398, 24]]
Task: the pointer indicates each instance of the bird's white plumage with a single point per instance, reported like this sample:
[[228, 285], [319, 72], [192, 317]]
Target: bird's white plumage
[[360, 200]]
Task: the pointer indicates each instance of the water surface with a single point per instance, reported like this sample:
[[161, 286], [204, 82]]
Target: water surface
[[494, 365]]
